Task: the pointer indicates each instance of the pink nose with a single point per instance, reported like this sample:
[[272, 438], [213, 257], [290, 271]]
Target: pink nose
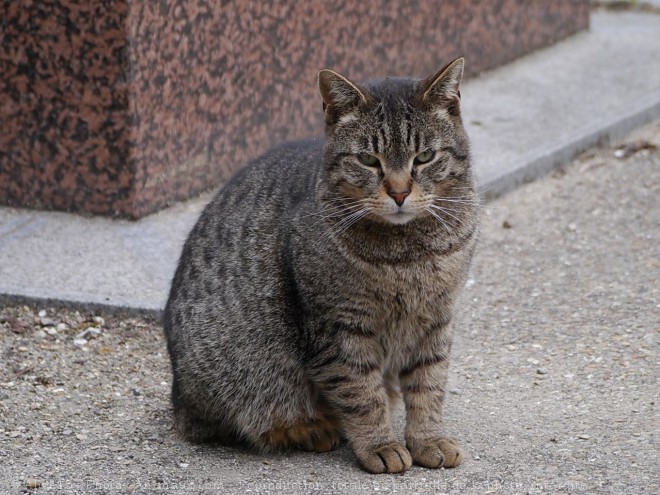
[[398, 196]]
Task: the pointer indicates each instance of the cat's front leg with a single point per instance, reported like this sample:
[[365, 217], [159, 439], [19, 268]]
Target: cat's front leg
[[423, 383], [350, 377]]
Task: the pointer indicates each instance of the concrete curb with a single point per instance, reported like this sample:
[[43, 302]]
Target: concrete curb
[[543, 161], [78, 302], [524, 119]]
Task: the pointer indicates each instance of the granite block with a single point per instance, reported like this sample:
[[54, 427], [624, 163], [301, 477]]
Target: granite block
[[121, 108]]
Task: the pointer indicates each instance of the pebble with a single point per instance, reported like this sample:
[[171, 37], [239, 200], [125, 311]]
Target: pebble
[[79, 342], [183, 465], [22, 349], [584, 437], [455, 391], [33, 483], [42, 313], [99, 320], [67, 432], [39, 334], [47, 322], [51, 330], [89, 333], [542, 371]]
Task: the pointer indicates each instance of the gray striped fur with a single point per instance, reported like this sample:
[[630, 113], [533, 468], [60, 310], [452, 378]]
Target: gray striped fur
[[305, 298]]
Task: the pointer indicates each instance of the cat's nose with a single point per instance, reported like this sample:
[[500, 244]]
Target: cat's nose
[[399, 196]]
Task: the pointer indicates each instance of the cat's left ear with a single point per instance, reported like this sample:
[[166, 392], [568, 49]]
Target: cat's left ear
[[443, 88], [340, 96]]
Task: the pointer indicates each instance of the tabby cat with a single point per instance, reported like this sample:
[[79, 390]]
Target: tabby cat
[[320, 283]]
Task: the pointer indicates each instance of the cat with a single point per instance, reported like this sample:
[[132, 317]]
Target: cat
[[320, 283]]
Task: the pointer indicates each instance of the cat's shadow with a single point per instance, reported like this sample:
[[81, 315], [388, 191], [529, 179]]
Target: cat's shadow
[[236, 449], [231, 449]]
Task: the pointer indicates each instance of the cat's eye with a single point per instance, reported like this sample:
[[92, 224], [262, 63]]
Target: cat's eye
[[368, 160], [424, 157]]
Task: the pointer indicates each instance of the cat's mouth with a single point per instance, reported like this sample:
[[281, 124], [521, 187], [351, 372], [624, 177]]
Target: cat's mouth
[[399, 217]]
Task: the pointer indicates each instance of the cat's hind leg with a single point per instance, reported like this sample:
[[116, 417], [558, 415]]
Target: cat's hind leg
[[192, 426], [197, 430], [312, 435]]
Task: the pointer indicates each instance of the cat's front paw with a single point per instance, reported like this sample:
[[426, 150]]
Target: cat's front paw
[[437, 453], [389, 458]]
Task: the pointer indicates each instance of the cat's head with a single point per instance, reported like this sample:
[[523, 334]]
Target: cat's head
[[394, 146]]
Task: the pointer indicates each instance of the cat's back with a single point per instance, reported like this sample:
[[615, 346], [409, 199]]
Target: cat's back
[[280, 178], [233, 253]]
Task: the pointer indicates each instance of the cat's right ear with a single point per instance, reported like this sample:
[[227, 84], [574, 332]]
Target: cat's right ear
[[341, 97], [443, 88]]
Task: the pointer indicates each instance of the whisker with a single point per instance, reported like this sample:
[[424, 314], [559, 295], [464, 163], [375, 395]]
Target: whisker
[[439, 219], [476, 188], [458, 199], [341, 200], [446, 212], [348, 218], [472, 202], [340, 214], [356, 217], [328, 210], [336, 211], [345, 223], [339, 204], [478, 191]]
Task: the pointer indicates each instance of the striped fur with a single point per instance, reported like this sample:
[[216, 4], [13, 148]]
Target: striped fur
[[306, 297]]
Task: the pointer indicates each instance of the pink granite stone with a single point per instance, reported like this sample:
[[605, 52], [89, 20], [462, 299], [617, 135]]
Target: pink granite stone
[[120, 108]]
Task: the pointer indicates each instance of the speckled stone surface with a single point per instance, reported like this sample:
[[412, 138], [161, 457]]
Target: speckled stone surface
[[120, 108], [64, 95]]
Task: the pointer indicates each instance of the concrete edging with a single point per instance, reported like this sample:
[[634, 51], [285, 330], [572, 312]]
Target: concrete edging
[[541, 162]]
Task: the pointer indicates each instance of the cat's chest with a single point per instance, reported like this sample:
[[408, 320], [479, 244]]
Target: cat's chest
[[403, 304], [404, 301]]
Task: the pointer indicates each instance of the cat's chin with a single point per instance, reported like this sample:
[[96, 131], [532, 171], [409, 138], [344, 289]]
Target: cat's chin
[[399, 218]]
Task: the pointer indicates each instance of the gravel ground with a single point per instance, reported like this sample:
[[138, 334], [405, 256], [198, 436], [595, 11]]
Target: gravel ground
[[554, 383]]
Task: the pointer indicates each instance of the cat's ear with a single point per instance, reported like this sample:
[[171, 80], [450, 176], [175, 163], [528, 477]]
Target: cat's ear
[[340, 96], [443, 88]]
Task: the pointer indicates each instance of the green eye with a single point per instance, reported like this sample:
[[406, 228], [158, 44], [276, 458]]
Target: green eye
[[424, 157], [368, 160]]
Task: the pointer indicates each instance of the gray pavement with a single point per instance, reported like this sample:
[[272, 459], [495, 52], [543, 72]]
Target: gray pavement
[[553, 385], [524, 119]]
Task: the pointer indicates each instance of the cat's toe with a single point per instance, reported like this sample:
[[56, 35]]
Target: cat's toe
[[437, 453], [390, 458]]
